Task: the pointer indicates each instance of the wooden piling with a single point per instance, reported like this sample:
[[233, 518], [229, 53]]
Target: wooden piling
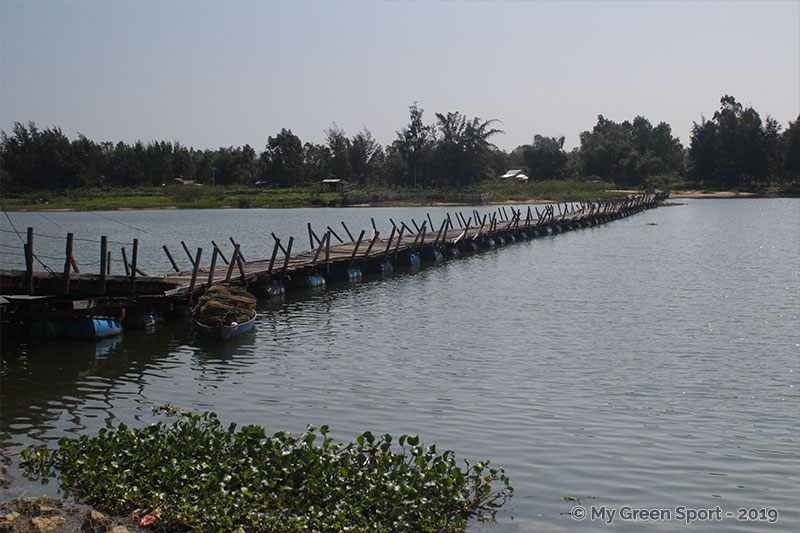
[[274, 254], [389, 243], [105, 263], [213, 265], [219, 251], [355, 250], [232, 263], [67, 262], [188, 253], [241, 255], [330, 229], [371, 244], [125, 262], [135, 257], [288, 253], [28, 247], [348, 231], [196, 263], [171, 260]]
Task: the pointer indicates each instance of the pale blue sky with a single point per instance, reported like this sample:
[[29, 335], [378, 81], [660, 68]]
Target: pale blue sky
[[212, 74]]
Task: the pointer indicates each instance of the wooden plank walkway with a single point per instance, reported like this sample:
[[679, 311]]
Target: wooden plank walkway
[[330, 253]]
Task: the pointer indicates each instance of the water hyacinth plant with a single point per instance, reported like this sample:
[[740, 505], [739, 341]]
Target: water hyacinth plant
[[196, 474]]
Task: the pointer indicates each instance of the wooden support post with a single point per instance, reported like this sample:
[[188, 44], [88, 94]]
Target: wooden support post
[[241, 255], [399, 240], [415, 225], [68, 254], [211, 268], [240, 262], [316, 254], [348, 231], [125, 262], [274, 254], [288, 254], [355, 250], [371, 244], [389, 243], [422, 232], [28, 247], [171, 260], [105, 263], [188, 253], [328, 246], [219, 251], [196, 263], [67, 262], [430, 222], [439, 235], [330, 230], [135, 257], [232, 264], [312, 236]]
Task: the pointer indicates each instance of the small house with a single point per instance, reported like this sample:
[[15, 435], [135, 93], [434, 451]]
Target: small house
[[335, 185]]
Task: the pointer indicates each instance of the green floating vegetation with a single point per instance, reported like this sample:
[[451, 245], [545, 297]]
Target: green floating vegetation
[[196, 474]]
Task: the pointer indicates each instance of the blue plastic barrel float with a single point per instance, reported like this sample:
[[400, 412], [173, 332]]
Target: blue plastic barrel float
[[49, 329], [467, 246], [432, 255], [142, 320], [94, 328], [345, 274], [378, 267], [408, 260], [309, 281]]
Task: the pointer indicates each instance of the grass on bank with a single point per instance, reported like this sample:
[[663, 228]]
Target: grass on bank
[[196, 474], [206, 197]]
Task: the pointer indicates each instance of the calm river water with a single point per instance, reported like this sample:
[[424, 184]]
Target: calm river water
[[650, 363]]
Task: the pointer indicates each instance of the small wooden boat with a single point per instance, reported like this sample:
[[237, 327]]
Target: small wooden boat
[[225, 331]]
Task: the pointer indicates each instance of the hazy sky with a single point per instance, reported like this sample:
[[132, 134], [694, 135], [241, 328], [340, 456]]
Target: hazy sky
[[211, 74]]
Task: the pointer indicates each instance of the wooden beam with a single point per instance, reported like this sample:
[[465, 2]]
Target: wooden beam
[[196, 262], [355, 250], [232, 264], [135, 257], [212, 267], [241, 255], [274, 254], [332, 232], [219, 251], [348, 231], [371, 244], [188, 253], [105, 263], [171, 260], [288, 254], [125, 262], [29, 261]]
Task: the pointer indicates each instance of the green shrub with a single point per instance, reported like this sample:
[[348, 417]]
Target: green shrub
[[200, 475]]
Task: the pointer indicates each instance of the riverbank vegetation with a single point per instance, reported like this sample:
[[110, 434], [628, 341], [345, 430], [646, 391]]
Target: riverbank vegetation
[[238, 196], [734, 150], [196, 474]]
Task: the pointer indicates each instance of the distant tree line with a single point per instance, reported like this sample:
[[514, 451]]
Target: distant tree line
[[734, 149]]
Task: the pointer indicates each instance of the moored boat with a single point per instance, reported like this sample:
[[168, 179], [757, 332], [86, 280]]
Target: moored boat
[[226, 331]]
